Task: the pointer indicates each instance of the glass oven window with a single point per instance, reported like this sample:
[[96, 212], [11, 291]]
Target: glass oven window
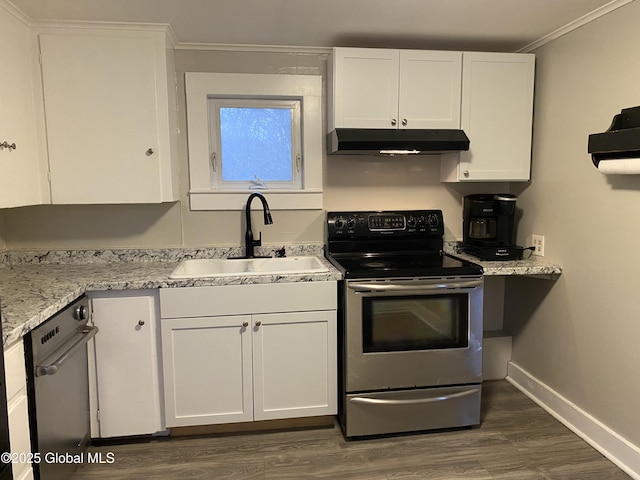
[[392, 324]]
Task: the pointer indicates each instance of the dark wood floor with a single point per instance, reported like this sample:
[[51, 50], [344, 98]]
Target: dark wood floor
[[517, 440]]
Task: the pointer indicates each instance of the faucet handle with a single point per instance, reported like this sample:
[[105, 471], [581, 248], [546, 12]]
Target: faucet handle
[[258, 242]]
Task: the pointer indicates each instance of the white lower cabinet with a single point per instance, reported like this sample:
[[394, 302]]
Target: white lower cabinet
[[18, 409], [125, 381], [246, 363]]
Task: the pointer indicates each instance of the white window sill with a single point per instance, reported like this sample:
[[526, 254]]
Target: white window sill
[[277, 199]]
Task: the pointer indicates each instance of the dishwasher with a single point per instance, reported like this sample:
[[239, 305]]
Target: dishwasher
[[58, 390]]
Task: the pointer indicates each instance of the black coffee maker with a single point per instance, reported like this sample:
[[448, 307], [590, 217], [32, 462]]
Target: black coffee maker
[[489, 226]]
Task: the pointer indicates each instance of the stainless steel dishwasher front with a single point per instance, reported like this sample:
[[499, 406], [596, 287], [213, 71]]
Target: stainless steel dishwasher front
[[58, 390]]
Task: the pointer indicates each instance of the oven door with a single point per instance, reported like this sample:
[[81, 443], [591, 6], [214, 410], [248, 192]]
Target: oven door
[[406, 333]]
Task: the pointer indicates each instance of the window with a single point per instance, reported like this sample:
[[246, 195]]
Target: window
[[250, 132], [255, 143]]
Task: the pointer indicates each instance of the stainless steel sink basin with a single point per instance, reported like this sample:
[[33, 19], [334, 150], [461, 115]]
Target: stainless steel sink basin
[[225, 267]]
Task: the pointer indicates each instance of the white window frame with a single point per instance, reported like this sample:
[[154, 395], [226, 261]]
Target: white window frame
[[293, 105], [200, 87]]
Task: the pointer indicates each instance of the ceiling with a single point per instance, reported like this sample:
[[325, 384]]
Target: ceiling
[[493, 25]]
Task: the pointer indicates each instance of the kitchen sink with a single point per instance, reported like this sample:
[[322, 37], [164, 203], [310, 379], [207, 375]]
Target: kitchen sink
[[225, 267]]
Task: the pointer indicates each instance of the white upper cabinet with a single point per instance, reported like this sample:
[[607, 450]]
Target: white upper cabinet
[[22, 180], [429, 95], [497, 115], [110, 112], [384, 88]]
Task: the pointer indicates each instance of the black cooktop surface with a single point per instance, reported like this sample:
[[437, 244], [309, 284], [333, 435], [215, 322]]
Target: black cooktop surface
[[409, 264]]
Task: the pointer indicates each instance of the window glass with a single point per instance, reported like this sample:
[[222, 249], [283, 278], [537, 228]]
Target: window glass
[[392, 324], [256, 143]]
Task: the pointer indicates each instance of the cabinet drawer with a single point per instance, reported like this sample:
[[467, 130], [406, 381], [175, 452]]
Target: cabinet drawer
[[15, 370], [247, 299], [19, 432]]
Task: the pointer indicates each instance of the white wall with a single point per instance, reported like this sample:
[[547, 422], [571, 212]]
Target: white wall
[[580, 336]]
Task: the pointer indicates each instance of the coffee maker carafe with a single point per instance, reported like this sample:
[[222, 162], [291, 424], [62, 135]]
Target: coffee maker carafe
[[489, 226]]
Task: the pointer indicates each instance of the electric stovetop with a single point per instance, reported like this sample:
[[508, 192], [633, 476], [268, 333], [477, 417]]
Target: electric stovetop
[[391, 244]]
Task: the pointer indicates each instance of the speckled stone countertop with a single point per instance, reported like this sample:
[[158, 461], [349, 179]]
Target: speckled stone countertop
[[532, 266], [36, 285]]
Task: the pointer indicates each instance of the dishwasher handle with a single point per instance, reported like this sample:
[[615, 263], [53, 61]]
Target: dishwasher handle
[[77, 342]]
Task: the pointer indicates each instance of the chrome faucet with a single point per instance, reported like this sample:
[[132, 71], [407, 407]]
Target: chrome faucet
[[248, 236]]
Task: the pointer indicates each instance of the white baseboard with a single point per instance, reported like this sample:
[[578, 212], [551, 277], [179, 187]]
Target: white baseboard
[[617, 449]]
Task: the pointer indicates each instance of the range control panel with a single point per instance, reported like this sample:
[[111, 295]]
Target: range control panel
[[373, 224]]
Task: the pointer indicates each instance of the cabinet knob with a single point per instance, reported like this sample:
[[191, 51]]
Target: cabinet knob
[[245, 324], [404, 122], [258, 323], [10, 146], [141, 322], [466, 173], [149, 152], [394, 122]]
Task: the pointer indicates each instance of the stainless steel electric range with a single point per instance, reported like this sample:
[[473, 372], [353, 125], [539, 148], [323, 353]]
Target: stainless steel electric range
[[410, 325]]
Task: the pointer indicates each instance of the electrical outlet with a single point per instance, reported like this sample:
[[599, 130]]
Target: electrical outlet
[[538, 243]]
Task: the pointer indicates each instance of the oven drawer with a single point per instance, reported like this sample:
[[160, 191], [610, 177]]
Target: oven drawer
[[412, 410]]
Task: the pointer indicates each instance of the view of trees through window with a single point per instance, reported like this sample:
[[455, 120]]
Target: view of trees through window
[[256, 144]]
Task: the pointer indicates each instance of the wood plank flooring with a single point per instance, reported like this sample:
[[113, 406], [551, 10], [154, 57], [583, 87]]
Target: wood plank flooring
[[517, 440]]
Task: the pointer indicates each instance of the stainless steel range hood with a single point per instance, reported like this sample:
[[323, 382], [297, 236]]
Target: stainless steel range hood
[[620, 141], [356, 141]]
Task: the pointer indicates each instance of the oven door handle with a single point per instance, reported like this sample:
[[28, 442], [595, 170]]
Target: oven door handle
[[415, 286], [76, 342], [413, 401]]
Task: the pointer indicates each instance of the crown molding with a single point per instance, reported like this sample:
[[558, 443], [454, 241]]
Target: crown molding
[[569, 27], [253, 48], [116, 26], [14, 11]]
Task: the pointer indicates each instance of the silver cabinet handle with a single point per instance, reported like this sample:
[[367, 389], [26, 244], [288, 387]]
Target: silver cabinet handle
[[394, 122], [245, 324], [258, 323], [10, 146], [149, 152], [413, 401], [466, 173], [76, 342], [404, 122], [141, 322]]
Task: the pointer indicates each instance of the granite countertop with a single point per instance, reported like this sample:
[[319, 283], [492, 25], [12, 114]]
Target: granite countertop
[[532, 266], [35, 286]]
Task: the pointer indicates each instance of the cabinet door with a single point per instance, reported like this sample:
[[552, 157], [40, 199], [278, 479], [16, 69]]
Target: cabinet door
[[207, 370], [294, 364], [127, 363], [21, 180], [17, 408], [430, 83], [19, 437], [102, 94], [497, 109], [365, 88]]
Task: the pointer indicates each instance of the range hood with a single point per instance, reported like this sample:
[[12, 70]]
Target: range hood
[[620, 141], [356, 141]]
